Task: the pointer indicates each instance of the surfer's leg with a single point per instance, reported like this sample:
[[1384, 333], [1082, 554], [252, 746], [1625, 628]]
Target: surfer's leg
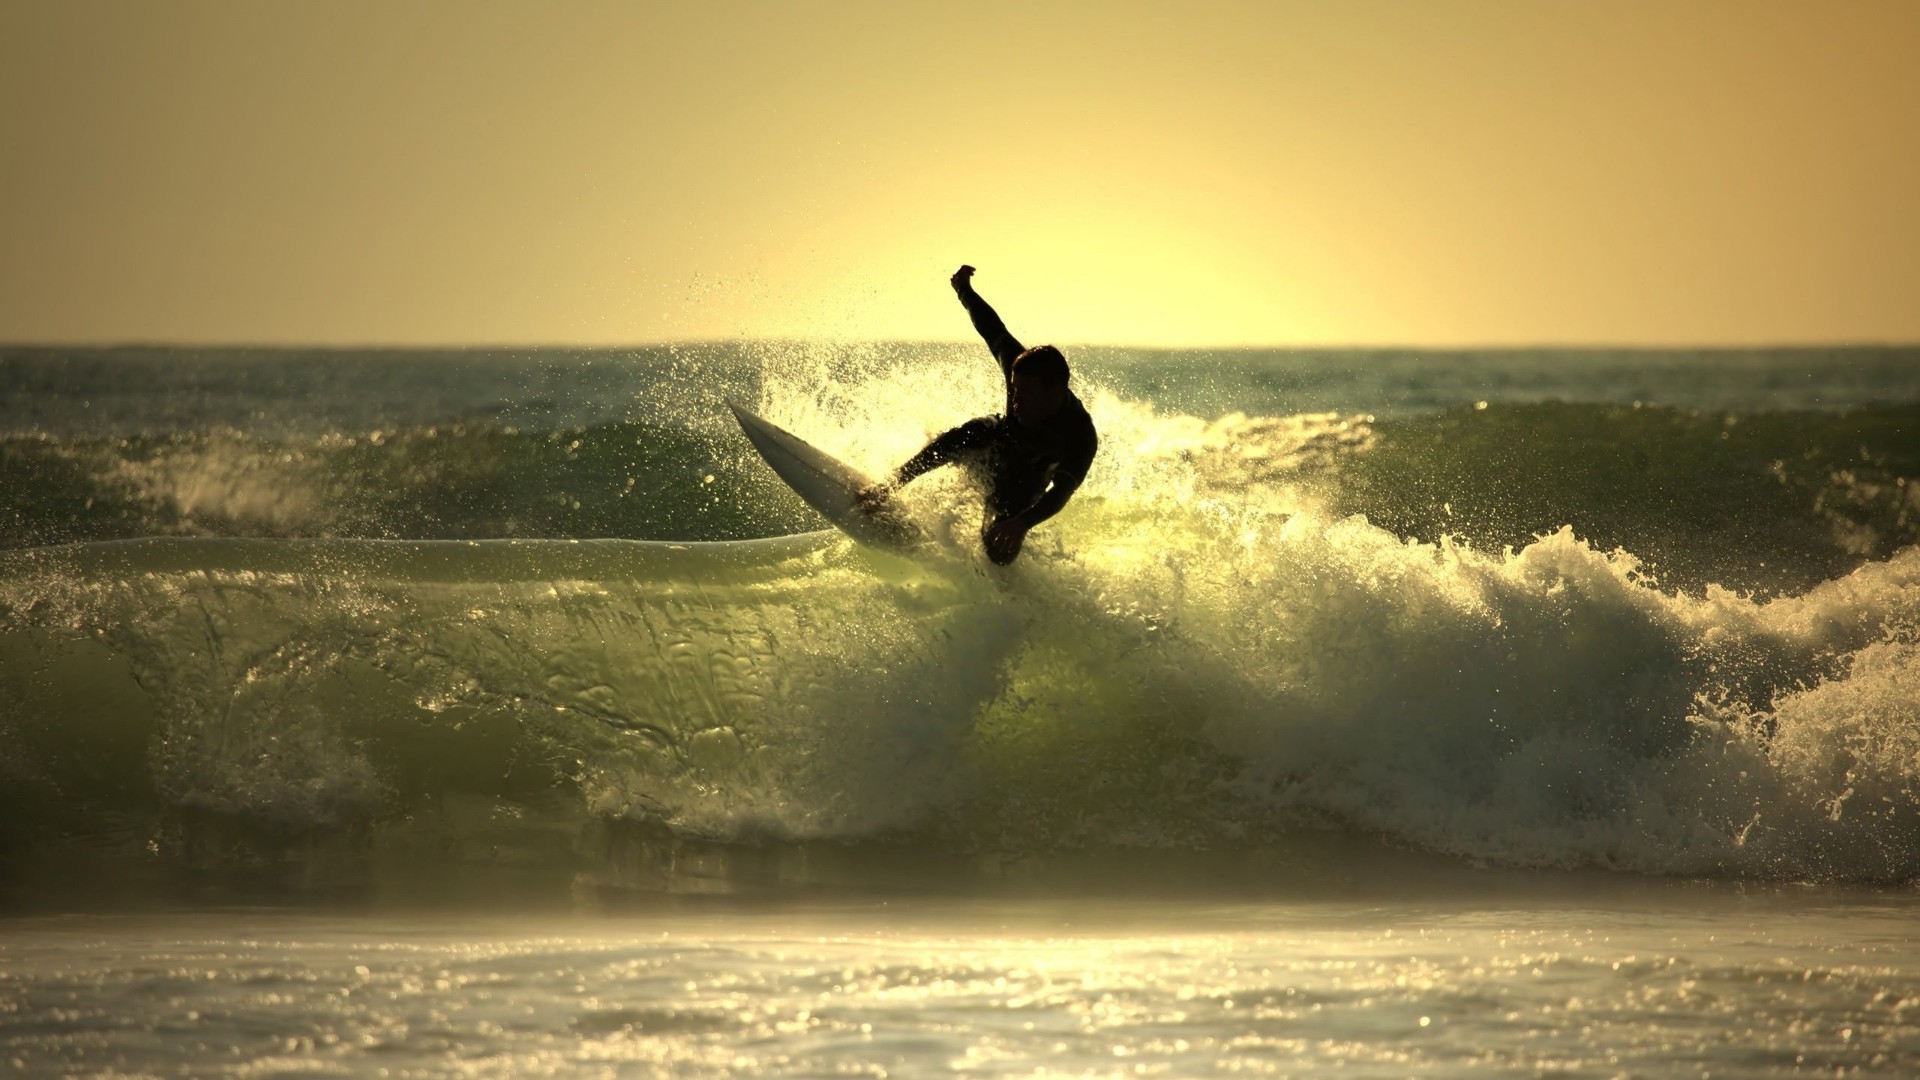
[[1005, 555], [1001, 554]]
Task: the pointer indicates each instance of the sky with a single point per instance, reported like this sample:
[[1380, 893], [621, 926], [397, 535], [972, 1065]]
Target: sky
[[1172, 174]]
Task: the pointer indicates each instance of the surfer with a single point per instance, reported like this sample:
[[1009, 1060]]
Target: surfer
[[1032, 458]]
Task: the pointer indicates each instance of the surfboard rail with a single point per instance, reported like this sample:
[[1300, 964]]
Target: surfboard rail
[[827, 484]]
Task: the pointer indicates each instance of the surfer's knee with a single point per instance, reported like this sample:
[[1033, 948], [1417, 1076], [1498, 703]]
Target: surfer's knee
[[1002, 553]]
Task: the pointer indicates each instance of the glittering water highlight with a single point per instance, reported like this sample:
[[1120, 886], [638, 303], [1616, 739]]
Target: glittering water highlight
[[1710, 985]]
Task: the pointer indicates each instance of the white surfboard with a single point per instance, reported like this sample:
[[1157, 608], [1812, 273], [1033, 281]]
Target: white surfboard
[[828, 485]]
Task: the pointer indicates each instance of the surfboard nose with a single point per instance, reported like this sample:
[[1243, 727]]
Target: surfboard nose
[[829, 485]]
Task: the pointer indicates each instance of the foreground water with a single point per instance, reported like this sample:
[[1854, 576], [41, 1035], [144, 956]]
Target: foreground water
[[1567, 700], [1672, 981]]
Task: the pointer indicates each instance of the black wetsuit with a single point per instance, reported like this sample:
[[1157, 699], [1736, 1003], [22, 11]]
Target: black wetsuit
[[1030, 470]]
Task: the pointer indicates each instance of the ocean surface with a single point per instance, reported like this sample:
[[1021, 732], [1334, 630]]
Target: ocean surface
[[1387, 712]]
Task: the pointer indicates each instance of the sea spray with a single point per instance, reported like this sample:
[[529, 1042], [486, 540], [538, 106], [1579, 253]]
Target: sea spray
[[1249, 630]]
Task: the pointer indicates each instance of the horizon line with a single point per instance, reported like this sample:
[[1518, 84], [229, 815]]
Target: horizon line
[[553, 346]]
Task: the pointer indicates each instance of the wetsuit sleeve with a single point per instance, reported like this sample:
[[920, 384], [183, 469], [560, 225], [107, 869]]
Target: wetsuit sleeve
[[987, 321], [972, 435], [1066, 480]]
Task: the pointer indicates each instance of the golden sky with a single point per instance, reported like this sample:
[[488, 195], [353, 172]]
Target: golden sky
[[1420, 172]]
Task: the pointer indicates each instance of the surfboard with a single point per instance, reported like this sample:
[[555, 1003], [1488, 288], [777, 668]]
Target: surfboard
[[827, 484]]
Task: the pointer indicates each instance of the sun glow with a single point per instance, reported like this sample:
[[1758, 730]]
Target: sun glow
[[1266, 173]]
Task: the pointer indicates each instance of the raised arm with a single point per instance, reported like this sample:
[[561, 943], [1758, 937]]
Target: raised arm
[[985, 320]]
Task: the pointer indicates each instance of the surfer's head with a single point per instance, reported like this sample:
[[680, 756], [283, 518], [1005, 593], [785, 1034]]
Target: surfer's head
[[1038, 384]]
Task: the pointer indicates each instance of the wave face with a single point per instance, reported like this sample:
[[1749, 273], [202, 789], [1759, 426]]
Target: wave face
[[1660, 638]]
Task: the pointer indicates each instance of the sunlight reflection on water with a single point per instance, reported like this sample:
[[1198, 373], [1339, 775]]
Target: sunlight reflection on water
[[995, 990]]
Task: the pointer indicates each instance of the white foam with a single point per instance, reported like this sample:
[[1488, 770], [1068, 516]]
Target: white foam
[[1195, 652]]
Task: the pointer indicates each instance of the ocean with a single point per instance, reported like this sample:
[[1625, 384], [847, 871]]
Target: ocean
[[1389, 712]]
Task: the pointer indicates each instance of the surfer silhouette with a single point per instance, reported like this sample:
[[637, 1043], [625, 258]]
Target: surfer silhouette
[[1032, 458]]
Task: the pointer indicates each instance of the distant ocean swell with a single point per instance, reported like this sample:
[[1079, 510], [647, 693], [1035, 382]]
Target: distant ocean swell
[[1655, 639], [1754, 501]]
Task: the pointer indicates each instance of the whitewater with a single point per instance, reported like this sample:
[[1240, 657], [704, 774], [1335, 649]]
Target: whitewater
[[1407, 713]]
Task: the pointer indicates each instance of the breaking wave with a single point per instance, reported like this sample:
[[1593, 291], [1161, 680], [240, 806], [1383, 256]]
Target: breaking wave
[[1649, 639]]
